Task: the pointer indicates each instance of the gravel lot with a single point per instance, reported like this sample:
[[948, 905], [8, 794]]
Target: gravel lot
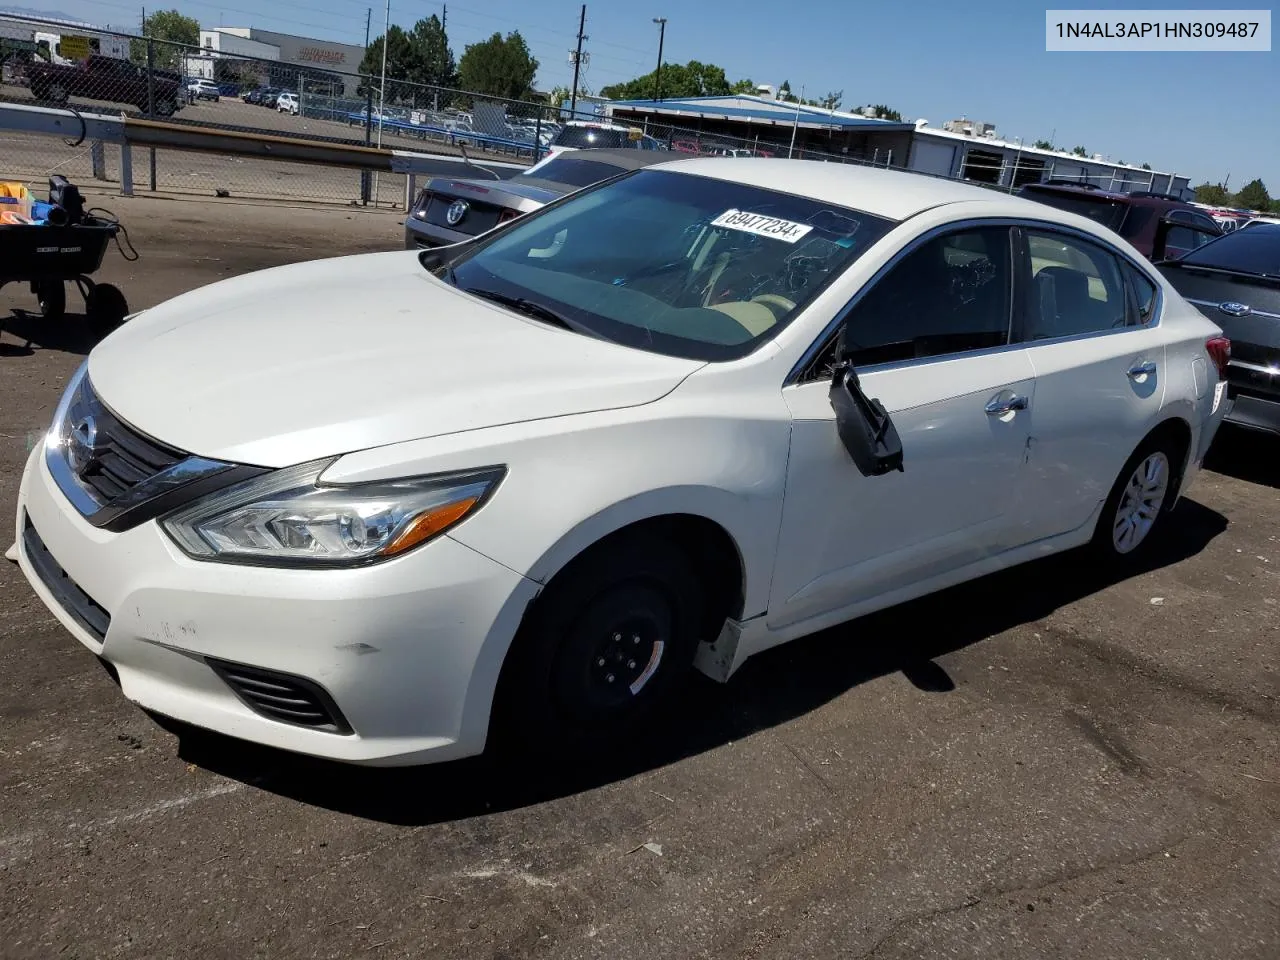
[[1040, 764]]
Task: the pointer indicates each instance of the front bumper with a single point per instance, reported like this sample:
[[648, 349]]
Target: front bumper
[[408, 650]]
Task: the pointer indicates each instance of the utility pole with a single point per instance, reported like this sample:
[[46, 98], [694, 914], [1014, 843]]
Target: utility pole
[[577, 63], [657, 77], [365, 176], [444, 18]]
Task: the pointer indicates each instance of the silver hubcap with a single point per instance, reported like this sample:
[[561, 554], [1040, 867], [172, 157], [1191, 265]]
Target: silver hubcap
[[1141, 502]]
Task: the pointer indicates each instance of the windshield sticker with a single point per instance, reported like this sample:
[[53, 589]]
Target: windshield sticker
[[773, 227]]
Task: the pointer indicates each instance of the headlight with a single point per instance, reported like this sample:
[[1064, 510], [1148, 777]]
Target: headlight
[[290, 518]]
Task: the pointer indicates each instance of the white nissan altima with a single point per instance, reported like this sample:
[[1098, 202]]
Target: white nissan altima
[[384, 508]]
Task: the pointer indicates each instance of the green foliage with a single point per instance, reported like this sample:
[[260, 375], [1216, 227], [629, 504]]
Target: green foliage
[[171, 27], [885, 112], [1044, 145], [1254, 196], [1146, 166], [692, 79], [1213, 193], [1080, 151], [500, 66], [434, 64], [746, 85]]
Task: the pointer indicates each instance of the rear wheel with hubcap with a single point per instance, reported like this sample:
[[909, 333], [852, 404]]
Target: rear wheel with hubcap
[[610, 640]]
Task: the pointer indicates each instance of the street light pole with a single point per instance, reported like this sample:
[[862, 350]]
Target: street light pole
[[657, 76]]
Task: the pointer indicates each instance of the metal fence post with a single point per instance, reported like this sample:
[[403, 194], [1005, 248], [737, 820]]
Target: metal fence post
[[365, 176], [126, 170], [98, 157], [151, 100], [537, 137]]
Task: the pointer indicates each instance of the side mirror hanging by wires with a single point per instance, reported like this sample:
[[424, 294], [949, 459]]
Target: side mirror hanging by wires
[[865, 427]]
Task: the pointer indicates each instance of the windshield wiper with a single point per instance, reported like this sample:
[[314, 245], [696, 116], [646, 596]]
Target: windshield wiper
[[528, 307]]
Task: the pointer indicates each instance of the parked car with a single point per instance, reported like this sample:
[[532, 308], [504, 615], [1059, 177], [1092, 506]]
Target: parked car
[[268, 96], [449, 211], [1135, 216], [585, 134], [106, 79], [1259, 221], [287, 103], [524, 485], [1235, 282], [204, 90]]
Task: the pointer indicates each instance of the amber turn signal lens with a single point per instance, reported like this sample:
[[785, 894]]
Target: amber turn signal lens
[[427, 525]]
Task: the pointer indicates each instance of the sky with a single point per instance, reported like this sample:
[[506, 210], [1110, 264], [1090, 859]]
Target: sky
[[1205, 115]]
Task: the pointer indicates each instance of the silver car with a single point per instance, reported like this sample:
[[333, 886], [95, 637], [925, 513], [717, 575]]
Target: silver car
[[450, 211]]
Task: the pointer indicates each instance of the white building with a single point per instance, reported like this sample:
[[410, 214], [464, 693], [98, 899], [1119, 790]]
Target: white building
[[297, 56]]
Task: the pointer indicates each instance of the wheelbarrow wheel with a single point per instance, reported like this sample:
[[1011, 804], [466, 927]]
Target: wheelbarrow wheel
[[106, 308], [52, 296]]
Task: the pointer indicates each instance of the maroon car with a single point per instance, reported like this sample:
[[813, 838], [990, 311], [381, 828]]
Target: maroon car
[[1146, 220]]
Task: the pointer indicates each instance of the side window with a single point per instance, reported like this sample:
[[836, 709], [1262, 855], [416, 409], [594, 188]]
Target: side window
[[950, 295], [1144, 295], [1076, 287], [1182, 240]]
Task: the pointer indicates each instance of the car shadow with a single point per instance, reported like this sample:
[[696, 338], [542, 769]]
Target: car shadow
[[1247, 455], [69, 333], [770, 689]]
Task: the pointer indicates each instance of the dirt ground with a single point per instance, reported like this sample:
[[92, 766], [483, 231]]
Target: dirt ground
[[1041, 764]]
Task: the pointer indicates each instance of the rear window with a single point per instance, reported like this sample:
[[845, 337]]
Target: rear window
[[1109, 213], [575, 172], [591, 137], [1256, 250]]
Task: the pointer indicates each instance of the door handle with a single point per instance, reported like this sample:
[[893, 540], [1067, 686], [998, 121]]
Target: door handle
[[1143, 369], [1000, 406]]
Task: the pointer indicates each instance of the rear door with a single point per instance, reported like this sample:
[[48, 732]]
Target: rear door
[[1086, 320]]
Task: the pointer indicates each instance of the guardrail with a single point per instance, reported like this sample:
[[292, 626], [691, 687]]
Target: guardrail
[[77, 127]]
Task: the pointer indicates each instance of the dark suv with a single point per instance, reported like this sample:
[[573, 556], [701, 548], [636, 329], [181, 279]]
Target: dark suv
[[1159, 225]]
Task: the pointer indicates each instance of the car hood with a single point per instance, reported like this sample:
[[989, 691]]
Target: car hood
[[296, 363]]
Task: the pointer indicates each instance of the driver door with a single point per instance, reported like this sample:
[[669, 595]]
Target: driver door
[[930, 339]]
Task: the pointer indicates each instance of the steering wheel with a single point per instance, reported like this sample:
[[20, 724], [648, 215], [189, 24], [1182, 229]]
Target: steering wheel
[[780, 305]]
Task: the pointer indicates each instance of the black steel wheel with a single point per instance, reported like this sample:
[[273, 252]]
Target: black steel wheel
[[608, 643]]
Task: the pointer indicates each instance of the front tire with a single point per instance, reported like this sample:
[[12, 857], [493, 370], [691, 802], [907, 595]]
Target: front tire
[[610, 641], [1133, 516]]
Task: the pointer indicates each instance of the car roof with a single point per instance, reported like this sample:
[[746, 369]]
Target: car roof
[[1136, 199], [627, 158], [893, 194]]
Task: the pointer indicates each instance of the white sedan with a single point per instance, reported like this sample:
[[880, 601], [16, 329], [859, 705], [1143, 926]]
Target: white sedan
[[661, 425]]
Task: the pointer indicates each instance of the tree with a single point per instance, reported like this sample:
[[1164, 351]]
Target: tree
[[1080, 151], [885, 113], [746, 85], [401, 61], [172, 28], [1044, 145], [559, 95], [1212, 193], [1275, 206], [833, 99], [1253, 196], [1146, 166], [499, 67], [433, 60], [692, 79]]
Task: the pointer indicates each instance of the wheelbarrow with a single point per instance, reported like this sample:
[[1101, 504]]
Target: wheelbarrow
[[50, 257]]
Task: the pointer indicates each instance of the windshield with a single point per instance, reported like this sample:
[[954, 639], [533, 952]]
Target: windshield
[[1101, 210], [1256, 250], [574, 171], [591, 137], [684, 265]]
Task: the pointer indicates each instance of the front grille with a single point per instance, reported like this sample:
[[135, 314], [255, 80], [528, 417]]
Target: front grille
[[120, 457], [282, 696], [83, 608]]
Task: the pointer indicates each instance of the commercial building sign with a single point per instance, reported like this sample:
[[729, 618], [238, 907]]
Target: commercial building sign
[[321, 55], [74, 48]]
